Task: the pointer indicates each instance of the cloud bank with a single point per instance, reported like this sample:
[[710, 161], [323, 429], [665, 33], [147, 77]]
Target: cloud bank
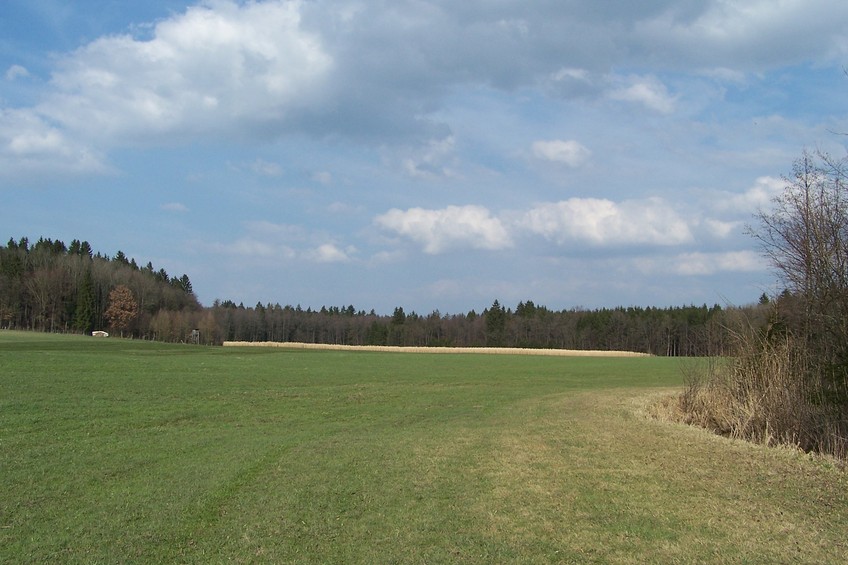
[[258, 69], [351, 136]]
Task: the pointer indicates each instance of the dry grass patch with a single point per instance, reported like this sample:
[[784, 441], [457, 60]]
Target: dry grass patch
[[765, 394], [591, 479], [443, 350]]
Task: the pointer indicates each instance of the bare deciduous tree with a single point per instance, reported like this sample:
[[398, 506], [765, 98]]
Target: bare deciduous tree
[[805, 236]]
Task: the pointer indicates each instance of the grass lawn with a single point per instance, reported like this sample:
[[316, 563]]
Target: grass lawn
[[116, 451]]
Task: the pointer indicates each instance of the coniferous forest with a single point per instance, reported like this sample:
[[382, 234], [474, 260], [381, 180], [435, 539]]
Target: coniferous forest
[[53, 287]]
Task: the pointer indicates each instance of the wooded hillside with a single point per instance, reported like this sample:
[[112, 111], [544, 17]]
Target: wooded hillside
[[53, 287]]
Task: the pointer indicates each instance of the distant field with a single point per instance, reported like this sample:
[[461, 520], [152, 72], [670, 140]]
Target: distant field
[[404, 349], [118, 451]]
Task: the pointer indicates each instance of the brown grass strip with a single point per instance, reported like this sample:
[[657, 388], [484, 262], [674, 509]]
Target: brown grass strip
[[406, 349]]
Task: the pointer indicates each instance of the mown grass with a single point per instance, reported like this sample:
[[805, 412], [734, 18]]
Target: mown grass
[[120, 451]]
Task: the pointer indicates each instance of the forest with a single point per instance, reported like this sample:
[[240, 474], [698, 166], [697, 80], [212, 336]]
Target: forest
[[53, 287], [49, 286]]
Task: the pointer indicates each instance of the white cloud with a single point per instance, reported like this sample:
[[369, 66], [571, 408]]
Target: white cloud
[[720, 228], [251, 70], [758, 196], [29, 145], [570, 82], [648, 91], [330, 253], [568, 152], [451, 227], [15, 72], [752, 34], [574, 222], [603, 222], [217, 66]]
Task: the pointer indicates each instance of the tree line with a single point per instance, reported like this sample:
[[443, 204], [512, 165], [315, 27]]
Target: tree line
[[50, 286], [688, 330]]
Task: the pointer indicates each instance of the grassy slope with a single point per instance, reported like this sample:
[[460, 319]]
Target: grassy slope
[[118, 451]]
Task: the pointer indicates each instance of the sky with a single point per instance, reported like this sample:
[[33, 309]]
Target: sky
[[427, 154]]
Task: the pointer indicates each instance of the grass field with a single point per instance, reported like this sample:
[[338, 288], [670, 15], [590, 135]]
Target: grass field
[[114, 451]]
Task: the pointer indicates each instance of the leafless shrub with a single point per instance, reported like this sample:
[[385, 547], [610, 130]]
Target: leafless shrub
[[788, 380], [767, 393]]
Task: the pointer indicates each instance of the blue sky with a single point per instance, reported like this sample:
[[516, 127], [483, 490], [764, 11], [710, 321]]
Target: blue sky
[[429, 154]]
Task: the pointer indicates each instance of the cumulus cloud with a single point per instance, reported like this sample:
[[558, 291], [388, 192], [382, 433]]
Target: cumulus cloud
[[647, 91], [569, 152], [758, 196], [329, 253], [602, 222], [440, 230], [573, 222], [213, 67], [226, 69], [30, 145], [746, 35], [573, 83], [720, 228]]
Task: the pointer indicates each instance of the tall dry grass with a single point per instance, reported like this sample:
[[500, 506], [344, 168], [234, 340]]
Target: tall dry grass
[[767, 393]]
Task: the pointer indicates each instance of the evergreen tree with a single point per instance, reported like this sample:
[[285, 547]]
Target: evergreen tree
[[85, 309], [85, 249], [183, 283], [399, 316], [495, 324]]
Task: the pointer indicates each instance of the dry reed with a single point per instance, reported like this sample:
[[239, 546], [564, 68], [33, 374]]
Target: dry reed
[[765, 394]]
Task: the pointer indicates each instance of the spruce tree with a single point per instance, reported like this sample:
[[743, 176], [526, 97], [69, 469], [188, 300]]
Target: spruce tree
[[85, 310]]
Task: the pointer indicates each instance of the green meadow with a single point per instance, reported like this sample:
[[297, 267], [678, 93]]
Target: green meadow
[[118, 451]]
